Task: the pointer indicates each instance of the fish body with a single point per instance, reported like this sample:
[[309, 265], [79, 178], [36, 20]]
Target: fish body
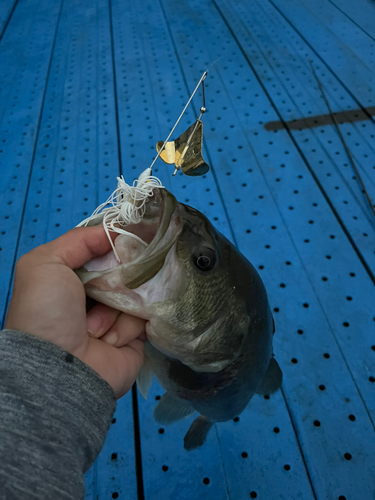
[[209, 325]]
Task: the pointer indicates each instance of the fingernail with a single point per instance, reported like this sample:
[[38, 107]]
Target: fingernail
[[110, 338], [94, 323]]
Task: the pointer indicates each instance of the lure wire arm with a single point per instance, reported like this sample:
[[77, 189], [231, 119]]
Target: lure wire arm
[[203, 108]]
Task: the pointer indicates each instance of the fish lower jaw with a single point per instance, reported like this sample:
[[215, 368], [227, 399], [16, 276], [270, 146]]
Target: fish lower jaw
[[129, 303]]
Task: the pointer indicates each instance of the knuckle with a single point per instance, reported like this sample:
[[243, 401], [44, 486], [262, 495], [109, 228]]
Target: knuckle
[[22, 262], [27, 260]]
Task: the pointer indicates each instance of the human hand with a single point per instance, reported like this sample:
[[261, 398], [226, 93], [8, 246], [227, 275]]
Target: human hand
[[49, 301]]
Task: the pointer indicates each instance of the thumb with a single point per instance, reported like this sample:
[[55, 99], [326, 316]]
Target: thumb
[[76, 247], [118, 366]]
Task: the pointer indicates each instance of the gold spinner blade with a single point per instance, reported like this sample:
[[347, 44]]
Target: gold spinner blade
[[186, 151]]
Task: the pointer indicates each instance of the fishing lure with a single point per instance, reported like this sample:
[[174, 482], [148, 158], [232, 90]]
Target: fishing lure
[[186, 151], [127, 204]]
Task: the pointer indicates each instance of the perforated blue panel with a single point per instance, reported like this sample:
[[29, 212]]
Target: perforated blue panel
[[87, 90], [303, 110], [25, 54], [6, 10], [361, 14]]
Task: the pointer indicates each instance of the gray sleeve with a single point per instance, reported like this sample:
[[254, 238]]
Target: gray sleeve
[[54, 415]]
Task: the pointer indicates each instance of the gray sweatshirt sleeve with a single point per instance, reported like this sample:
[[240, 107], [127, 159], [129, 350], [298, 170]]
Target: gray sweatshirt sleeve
[[54, 415]]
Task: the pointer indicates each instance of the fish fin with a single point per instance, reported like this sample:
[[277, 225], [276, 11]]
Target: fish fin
[[145, 377], [272, 379], [196, 435], [171, 409]]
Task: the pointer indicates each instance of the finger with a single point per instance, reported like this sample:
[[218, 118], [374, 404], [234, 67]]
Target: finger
[[76, 247], [100, 319], [124, 330], [134, 351], [143, 336], [117, 366], [133, 360]]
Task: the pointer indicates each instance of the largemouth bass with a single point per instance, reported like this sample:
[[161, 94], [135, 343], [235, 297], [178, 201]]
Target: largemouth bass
[[209, 324]]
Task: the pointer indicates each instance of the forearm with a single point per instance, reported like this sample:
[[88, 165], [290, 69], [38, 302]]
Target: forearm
[[54, 415]]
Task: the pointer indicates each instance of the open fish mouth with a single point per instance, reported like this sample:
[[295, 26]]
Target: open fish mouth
[[142, 248]]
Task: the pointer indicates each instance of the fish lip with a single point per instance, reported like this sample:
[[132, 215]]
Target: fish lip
[[153, 258], [169, 208]]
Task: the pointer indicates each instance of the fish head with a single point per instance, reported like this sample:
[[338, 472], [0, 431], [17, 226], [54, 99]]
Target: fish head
[[188, 281]]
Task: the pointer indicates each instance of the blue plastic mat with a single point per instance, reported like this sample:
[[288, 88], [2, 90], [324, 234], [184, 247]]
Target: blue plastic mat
[[88, 88]]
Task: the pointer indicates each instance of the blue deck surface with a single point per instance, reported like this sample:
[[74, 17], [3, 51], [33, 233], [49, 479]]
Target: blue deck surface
[[88, 87]]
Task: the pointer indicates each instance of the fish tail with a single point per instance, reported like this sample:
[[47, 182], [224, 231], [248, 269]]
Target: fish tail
[[197, 433]]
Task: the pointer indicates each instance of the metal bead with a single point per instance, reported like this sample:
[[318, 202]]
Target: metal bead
[[203, 109]]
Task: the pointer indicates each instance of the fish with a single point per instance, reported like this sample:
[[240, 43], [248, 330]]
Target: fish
[[209, 324]]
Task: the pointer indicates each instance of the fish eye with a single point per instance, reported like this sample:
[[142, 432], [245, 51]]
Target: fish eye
[[205, 260]]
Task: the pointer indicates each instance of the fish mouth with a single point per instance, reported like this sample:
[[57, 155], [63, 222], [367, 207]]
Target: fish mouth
[[141, 255]]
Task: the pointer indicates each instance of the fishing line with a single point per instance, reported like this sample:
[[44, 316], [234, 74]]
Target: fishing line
[[214, 63]]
